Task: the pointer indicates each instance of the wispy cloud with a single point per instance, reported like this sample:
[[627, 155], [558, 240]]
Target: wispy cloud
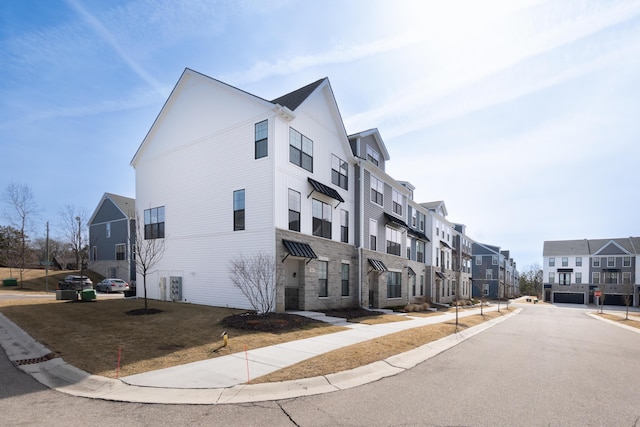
[[108, 37]]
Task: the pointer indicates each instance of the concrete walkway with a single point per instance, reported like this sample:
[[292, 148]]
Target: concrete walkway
[[226, 379]]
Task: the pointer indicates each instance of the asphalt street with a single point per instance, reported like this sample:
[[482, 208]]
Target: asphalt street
[[548, 365]]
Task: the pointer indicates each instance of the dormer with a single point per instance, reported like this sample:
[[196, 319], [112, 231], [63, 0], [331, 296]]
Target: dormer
[[368, 145]]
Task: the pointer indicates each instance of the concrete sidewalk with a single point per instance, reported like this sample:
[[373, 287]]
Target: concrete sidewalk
[[226, 379]]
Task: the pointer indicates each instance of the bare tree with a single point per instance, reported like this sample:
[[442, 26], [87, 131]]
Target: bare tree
[[147, 254], [256, 278], [20, 209], [72, 223], [9, 243], [627, 289], [531, 281]]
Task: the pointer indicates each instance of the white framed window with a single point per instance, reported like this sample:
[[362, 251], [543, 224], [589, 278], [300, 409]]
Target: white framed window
[[626, 278], [489, 274], [478, 260], [373, 156], [339, 172], [108, 230], [323, 282], [494, 259], [611, 261], [595, 262], [377, 191], [396, 198], [294, 210], [552, 262], [564, 279], [552, 277], [626, 261], [394, 245], [300, 150], [578, 278], [154, 223], [121, 252], [345, 280], [373, 234], [238, 210], [565, 261], [261, 139], [394, 284], [578, 261], [595, 278]]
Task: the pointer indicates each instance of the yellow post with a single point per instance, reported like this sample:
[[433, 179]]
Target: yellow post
[[225, 337]]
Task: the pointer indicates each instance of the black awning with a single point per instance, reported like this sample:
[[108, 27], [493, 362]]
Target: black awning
[[565, 270], [610, 270], [395, 220], [411, 272], [377, 265], [325, 189], [418, 235], [297, 249], [440, 275], [446, 245]]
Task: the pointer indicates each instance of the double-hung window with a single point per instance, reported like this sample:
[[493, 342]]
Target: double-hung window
[[294, 210], [345, 280], [552, 277], [420, 251], [373, 156], [154, 223], [578, 278], [595, 278], [626, 261], [323, 282], [373, 234], [300, 150], [121, 252], [595, 262], [321, 219], [339, 172], [261, 139], [393, 241], [565, 261], [396, 198], [344, 226], [611, 261], [494, 260], [578, 261], [108, 230], [377, 191], [552, 262], [489, 274], [238, 210], [626, 278]]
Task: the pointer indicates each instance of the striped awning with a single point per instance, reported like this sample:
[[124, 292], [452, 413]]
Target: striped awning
[[377, 265], [325, 189], [297, 249], [411, 272], [440, 275]]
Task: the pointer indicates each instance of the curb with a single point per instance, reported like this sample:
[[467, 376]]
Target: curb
[[629, 328], [63, 377]]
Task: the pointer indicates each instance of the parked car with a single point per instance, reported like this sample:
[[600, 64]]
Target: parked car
[[112, 285], [76, 283]]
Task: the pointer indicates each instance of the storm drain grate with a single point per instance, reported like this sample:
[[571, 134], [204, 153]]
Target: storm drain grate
[[35, 359]]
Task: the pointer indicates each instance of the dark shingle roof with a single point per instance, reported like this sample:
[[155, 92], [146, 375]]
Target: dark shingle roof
[[292, 100]]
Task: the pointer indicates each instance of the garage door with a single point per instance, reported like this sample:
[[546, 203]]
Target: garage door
[[568, 297], [617, 299]]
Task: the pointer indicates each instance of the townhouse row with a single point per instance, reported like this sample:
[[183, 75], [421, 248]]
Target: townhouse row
[[592, 271], [223, 175]]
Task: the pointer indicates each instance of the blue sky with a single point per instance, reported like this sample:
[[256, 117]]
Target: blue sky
[[521, 115]]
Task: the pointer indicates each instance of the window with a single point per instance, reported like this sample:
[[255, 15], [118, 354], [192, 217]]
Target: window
[[345, 280], [595, 278], [396, 198], [485, 290], [294, 210], [344, 226], [261, 139], [552, 277], [394, 284], [552, 262], [339, 172], [421, 221], [420, 251], [323, 283], [626, 278], [611, 278], [393, 241], [94, 253], [478, 260], [578, 261], [565, 261], [453, 287], [154, 223], [408, 248], [626, 261], [414, 217], [377, 191], [421, 285], [412, 282], [373, 156], [578, 278], [121, 251], [564, 279], [489, 275], [611, 261], [595, 262], [108, 230], [373, 234], [238, 210], [300, 150], [321, 219], [494, 260]]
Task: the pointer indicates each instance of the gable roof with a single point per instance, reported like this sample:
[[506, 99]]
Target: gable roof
[[589, 246], [378, 138], [126, 205], [437, 206], [292, 100]]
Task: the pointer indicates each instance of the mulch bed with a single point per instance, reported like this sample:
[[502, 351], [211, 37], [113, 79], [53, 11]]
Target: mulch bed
[[270, 322], [352, 312]]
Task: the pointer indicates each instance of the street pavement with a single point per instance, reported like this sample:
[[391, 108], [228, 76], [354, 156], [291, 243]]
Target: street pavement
[[226, 379]]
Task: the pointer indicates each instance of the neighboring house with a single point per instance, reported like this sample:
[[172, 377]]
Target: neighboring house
[[486, 271], [462, 262], [440, 273], [224, 174], [575, 271], [511, 285], [111, 235]]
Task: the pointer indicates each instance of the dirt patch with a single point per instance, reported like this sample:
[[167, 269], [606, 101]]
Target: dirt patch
[[270, 322]]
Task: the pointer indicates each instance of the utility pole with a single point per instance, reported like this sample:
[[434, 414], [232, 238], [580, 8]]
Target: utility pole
[[46, 268]]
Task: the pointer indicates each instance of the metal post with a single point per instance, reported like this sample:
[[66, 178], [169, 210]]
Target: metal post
[[46, 268]]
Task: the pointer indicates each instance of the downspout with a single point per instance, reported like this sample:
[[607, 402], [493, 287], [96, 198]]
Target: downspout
[[361, 220]]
